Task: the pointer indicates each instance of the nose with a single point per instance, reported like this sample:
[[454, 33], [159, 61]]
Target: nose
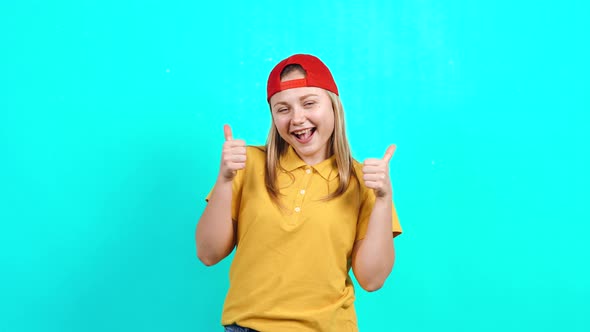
[[298, 116]]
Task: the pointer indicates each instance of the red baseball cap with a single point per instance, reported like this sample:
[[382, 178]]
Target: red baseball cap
[[317, 75]]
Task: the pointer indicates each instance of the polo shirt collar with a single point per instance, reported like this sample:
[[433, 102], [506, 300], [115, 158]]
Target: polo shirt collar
[[326, 169]]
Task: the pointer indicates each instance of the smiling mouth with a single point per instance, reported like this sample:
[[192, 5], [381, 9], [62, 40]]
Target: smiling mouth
[[303, 135]]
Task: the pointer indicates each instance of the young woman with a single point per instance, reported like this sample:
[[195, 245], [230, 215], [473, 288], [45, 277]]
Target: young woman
[[300, 211]]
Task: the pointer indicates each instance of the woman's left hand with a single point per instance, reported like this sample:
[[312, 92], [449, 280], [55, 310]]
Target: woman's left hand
[[376, 173]]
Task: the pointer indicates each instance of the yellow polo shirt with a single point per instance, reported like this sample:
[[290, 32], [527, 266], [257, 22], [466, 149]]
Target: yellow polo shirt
[[290, 269]]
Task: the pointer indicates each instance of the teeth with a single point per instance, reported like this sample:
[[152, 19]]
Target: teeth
[[301, 132]]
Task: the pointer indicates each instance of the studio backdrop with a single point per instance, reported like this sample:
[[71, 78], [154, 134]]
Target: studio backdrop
[[111, 127]]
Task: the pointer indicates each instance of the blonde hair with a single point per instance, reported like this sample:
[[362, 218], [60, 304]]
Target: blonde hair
[[276, 147]]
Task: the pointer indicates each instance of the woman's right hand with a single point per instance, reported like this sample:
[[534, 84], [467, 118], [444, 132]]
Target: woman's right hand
[[233, 157]]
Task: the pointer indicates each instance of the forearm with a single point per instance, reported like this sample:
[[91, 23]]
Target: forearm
[[375, 255], [215, 231]]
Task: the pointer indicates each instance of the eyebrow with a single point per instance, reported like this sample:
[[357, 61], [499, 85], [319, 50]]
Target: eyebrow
[[300, 98]]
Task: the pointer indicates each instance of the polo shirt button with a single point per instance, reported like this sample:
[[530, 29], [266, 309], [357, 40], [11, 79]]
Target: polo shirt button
[[308, 171], [297, 209], [302, 192]]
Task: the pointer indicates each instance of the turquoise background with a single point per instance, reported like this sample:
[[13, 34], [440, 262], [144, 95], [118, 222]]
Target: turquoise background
[[111, 118]]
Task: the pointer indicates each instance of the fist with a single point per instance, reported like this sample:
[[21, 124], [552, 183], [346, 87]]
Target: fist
[[376, 174], [233, 156]]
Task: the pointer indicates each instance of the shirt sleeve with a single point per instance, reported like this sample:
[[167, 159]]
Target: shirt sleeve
[[367, 203]]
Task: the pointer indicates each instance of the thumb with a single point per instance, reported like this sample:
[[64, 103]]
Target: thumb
[[389, 153], [227, 132]]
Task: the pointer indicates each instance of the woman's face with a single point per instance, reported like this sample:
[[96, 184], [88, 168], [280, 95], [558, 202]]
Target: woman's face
[[304, 118]]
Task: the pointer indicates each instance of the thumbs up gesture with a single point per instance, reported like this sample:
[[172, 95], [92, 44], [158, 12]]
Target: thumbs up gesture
[[233, 156], [376, 174]]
